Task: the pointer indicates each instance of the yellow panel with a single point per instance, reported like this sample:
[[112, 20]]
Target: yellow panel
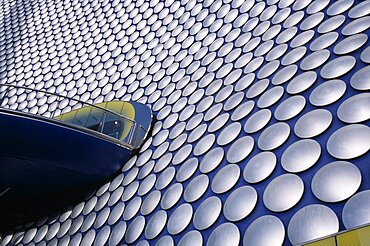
[[69, 116], [325, 242], [115, 106], [358, 237]]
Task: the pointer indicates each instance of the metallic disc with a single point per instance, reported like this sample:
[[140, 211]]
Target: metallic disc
[[286, 35], [224, 234], [302, 38], [29, 235], [187, 170], [130, 176], [301, 155], [302, 82], [135, 229], [103, 236], [315, 60], [193, 237], [365, 55], [259, 167], [156, 224], [276, 52], [324, 41], [196, 188], [313, 123], [163, 162], [180, 219], [165, 241], [146, 169], [204, 144], [311, 21], [143, 243], [254, 65], [359, 80], [350, 44], [207, 213], [102, 217], [257, 121], [245, 82], [293, 19], [130, 191], [117, 233], [339, 7], [150, 202], [338, 67], [290, 108], [293, 56], [331, 24], [240, 203], [317, 6], [224, 93], [194, 121], [268, 69], [233, 101], [160, 137], [218, 122], [204, 104], [273, 136], [197, 133], [147, 184], [290, 188], [211, 160], [242, 110], [240, 149], [270, 97], [225, 178], [132, 208], [349, 141], [328, 92], [170, 197], [356, 26], [114, 216], [265, 230], [262, 50], [281, 15], [89, 238], [312, 222], [182, 154], [213, 112], [355, 109], [356, 210], [176, 143], [336, 181]]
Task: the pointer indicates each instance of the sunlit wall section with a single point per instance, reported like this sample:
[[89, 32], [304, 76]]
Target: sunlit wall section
[[262, 108]]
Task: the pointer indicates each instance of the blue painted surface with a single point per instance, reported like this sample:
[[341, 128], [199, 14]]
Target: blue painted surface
[[39, 157]]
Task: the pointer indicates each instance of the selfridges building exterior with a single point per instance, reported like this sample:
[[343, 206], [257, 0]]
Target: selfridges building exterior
[[262, 111]]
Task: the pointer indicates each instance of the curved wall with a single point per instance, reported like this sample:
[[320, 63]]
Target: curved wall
[[262, 108]]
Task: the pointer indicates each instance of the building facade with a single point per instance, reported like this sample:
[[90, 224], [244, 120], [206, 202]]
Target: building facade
[[262, 116]]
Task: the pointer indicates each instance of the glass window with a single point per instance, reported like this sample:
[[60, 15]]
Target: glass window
[[113, 128]]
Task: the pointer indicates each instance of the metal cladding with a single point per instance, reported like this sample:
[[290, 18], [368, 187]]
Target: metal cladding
[[262, 108]]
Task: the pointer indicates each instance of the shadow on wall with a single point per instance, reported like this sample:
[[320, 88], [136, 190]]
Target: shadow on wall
[[24, 211]]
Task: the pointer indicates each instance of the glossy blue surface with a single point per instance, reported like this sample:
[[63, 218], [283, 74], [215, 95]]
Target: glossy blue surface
[[40, 157]]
